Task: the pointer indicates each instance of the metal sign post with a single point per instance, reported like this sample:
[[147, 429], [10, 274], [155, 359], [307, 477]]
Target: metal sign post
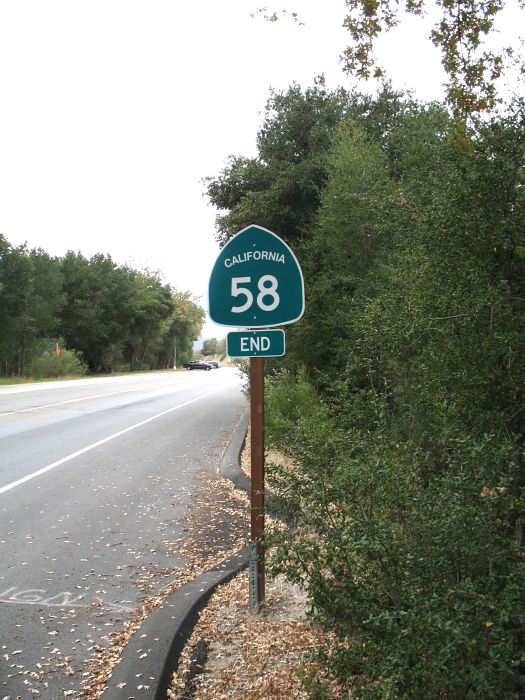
[[257, 480]]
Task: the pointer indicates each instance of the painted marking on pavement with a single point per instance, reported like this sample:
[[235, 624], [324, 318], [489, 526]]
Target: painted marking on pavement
[[37, 596], [85, 398], [49, 467]]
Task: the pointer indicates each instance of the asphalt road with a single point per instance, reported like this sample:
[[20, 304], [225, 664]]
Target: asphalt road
[[96, 477]]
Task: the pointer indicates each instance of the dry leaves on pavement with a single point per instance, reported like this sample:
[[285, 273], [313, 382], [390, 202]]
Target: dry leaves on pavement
[[216, 528]]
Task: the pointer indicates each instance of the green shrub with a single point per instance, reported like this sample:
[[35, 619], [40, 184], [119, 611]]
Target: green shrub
[[421, 575], [405, 500], [48, 364], [288, 400]]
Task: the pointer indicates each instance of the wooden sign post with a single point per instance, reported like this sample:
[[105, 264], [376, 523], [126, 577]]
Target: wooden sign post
[[257, 587]]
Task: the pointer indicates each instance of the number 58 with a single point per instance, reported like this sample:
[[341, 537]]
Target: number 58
[[267, 286]]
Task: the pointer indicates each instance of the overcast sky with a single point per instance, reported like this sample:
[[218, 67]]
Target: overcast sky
[[112, 112]]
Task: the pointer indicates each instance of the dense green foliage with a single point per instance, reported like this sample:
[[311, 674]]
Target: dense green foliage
[[57, 364], [401, 398], [280, 189], [114, 317]]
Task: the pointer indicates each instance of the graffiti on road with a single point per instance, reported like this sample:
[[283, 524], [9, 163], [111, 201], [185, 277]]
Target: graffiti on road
[[40, 597]]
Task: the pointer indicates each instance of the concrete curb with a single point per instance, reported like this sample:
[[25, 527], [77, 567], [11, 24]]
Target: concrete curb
[[230, 467], [152, 654]]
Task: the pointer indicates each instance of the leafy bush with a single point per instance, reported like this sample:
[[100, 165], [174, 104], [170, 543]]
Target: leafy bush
[[422, 576], [48, 364], [288, 400]]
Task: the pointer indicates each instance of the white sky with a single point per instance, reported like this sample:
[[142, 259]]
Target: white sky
[[112, 111]]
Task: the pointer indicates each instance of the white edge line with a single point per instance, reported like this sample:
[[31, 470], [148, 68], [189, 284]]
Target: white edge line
[[49, 467]]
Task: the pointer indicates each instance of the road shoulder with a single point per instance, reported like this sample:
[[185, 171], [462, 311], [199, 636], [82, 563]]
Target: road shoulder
[[138, 661]]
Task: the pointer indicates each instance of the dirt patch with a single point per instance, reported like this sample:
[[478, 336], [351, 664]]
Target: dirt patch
[[265, 656]]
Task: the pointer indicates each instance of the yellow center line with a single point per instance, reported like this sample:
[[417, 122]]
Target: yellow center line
[[85, 398]]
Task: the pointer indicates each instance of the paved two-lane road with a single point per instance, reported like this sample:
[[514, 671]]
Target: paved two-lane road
[[95, 479]]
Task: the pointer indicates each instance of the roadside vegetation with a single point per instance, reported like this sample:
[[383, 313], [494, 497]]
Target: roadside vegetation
[[400, 403], [72, 315], [401, 397]]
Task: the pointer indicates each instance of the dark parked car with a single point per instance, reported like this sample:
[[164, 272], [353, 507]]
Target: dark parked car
[[214, 363], [198, 364]]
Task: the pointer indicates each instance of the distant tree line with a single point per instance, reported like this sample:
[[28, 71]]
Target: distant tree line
[[111, 317], [214, 346], [401, 398]]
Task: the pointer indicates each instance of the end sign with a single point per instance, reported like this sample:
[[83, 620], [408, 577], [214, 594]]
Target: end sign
[[256, 282], [255, 343]]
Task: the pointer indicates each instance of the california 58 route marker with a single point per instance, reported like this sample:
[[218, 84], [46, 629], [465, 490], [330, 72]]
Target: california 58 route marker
[[256, 283]]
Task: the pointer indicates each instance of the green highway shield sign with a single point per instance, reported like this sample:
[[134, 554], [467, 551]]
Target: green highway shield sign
[[255, 343], [256, 282]]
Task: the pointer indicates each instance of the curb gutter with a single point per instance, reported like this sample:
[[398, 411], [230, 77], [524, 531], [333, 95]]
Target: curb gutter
[[152, 654]]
